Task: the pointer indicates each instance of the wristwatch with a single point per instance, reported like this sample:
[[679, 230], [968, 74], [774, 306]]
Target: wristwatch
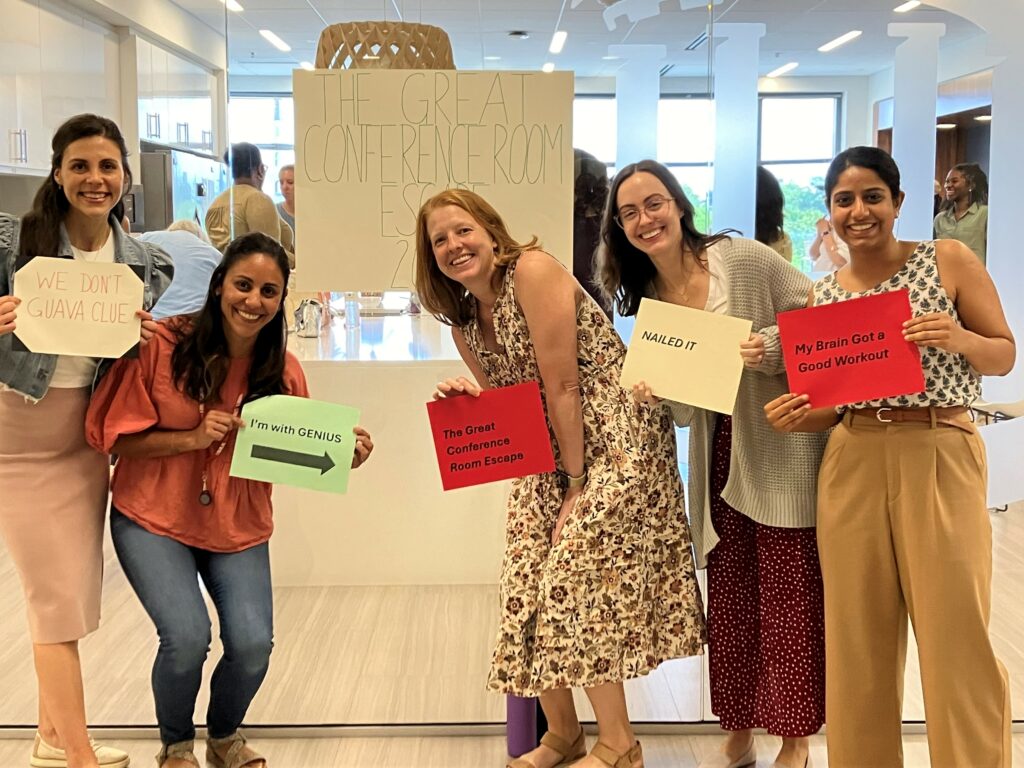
[[575, 481]]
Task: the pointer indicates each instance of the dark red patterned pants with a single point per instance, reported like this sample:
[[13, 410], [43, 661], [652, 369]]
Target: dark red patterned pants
[[766, 626]]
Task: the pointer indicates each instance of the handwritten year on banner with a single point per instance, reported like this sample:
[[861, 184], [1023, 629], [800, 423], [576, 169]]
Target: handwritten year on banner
[[71, 307], [851, 351], [501, 434]]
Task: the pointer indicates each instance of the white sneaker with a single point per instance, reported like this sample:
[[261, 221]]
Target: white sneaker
[[45, 756]]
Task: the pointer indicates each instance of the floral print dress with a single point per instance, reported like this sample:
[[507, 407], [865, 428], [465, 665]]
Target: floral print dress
[[617, 595]]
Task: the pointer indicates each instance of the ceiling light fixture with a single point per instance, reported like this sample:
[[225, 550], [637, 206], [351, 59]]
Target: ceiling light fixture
[[908, 6], [984, 118], [233, 5], [492, 58], [783, 69], [831, 45], [548, 67], [558, 41], [610, 58], [946, 126], [307, 65], [275, 41]]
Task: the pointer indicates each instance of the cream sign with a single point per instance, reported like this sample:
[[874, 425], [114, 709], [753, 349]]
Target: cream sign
[[73, 307], [372, 145]]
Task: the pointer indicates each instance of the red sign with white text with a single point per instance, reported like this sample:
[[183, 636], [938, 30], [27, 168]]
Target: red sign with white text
[[851, 351], [501, 434]]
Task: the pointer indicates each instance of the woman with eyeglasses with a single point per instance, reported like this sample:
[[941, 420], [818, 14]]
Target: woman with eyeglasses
[[751, 490]]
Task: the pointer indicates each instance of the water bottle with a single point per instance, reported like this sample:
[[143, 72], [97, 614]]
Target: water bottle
[[351, 309]]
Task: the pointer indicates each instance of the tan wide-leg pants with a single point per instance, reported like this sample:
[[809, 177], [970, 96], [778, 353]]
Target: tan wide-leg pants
[[903, 529]]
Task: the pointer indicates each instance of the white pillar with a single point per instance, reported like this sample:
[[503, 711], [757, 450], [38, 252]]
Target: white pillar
[[915, 93], [637, 90], [737, 56]]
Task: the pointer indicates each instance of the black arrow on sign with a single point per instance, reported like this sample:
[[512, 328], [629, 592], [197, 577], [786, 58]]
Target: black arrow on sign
[[323, 463]]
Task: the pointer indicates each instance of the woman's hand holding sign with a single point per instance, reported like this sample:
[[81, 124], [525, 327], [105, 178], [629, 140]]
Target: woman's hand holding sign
[[455, 387], [752, 350], [364, 447], [8, 304], [642, 394], [936, 329], [148, 327]]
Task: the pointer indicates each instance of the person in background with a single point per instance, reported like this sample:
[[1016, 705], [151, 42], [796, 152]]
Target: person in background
[[53, 486], [828, 252], [768, 217], [964, 214], [194, 261], [902, 521], [591, 194], [177, 516], [286, 178], [597, 584], [751, 494], [244, 207]]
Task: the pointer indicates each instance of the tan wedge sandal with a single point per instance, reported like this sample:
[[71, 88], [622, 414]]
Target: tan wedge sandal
[[569, 753], [613, 759], [239, 754], [182, 750]]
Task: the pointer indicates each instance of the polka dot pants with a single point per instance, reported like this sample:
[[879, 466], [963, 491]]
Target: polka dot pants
[[766, 626]]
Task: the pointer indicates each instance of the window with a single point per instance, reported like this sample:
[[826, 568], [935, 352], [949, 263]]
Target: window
[[594, 128], [686, 145], [268, 121], [799, 137]]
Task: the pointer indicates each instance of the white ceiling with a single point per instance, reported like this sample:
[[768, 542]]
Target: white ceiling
[[478, 28]]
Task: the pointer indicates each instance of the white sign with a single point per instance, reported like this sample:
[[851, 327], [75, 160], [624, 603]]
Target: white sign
[[372, 145], [84, 308]]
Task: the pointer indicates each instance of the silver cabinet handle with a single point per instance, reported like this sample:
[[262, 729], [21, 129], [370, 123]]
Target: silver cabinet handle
[[182, 130], [18, 145]]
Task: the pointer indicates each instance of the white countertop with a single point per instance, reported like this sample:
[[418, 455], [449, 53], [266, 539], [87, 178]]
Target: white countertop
[[390, 338]]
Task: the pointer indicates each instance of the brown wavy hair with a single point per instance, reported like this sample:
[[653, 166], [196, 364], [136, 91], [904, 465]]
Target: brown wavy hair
[[447, 299]]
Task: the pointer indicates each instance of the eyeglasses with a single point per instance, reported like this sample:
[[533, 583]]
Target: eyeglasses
[[630, 214]]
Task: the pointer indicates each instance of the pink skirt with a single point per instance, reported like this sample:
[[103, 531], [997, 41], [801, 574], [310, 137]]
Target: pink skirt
[[53, 499]]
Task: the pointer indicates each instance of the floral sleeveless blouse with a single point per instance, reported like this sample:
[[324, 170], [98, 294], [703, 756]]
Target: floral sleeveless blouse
[[949, 379]]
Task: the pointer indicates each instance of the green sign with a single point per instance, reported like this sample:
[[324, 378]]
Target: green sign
[[296, 441]]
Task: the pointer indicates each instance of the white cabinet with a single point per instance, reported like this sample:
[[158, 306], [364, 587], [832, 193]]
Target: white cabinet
[[175, 99], [21, 120]]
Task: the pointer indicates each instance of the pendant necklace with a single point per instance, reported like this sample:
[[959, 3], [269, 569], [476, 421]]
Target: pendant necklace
[[205, 497]]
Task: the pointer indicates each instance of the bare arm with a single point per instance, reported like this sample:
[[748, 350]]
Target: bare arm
[[985, 339], [155, 443], [547, 294]]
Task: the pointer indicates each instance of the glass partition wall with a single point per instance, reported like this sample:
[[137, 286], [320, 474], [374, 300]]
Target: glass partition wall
[[380, 620]]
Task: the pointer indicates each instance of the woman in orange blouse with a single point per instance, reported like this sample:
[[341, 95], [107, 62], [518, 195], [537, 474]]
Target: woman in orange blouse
[[176, 513]]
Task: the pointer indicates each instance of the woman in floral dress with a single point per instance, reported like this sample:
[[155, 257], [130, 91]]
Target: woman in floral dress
[[597, 584]]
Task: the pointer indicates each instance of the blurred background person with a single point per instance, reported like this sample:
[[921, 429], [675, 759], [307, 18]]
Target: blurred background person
[[964, 215], [286, 178], [194, 261], [828, 252], [768, 217], [244, 207]]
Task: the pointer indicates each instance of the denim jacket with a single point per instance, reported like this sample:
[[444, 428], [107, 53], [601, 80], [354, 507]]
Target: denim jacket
[[29, 372]]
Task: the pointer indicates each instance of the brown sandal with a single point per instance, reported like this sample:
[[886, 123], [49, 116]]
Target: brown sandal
[[613, 759], [238, 755], [182, 750], [569, 753]]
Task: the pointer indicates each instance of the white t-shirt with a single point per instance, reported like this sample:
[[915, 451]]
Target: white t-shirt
[[718, 288], [73, 372]]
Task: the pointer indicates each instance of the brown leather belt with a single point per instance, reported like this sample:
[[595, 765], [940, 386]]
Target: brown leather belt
[[947, 416]]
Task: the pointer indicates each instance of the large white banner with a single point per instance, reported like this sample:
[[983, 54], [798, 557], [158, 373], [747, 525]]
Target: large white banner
[[372, 145]]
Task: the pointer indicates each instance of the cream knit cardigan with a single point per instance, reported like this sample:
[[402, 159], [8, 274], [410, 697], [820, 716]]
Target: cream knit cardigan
[[772, 476]]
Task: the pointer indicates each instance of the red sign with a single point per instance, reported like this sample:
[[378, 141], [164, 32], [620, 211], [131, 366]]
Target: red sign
[[851, 351], [501, 434]]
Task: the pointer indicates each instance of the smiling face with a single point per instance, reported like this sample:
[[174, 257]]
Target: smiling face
[[649, 215], [862, 208], [92, 176], [250, 296], [957, 186], [463, 249]]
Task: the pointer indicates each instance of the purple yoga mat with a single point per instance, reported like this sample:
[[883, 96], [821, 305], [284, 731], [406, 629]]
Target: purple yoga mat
[[520, 724]]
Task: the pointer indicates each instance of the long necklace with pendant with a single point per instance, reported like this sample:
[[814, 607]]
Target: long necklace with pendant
[[205, 497]]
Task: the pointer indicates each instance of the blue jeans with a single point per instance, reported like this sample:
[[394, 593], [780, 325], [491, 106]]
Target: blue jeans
[[165, 575]]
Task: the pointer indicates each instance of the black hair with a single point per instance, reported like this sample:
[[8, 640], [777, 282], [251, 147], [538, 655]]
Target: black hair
[[244, 158], [623, 270], [871, 158], [199, 363], [976, 180], [40, 227], [770, 202]]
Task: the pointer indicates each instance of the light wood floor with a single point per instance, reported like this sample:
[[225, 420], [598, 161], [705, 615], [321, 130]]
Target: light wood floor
[[472, 752], [382, 655]]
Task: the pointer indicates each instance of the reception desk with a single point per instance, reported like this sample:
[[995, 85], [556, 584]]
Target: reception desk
[[395, 526]]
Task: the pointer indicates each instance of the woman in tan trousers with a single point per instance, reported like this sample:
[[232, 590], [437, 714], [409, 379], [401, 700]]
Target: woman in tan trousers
[[902, 522]]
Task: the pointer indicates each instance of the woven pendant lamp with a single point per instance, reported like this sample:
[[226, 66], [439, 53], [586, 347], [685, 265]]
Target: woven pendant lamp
[[384, 45]]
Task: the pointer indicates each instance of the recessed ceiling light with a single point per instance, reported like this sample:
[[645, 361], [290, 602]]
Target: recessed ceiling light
[[831, 45], [548, 67], [233, 5], [275, 41], [908, 6], [783, 69], [492, 58], [558, 41], [307, 65], [610, 58], [984, 118], [946, 126], [519, 34]]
